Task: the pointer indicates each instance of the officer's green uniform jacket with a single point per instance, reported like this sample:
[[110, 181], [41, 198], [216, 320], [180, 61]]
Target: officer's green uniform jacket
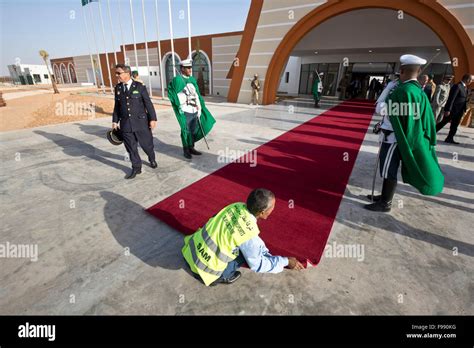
[[416, 137], [207, 121]]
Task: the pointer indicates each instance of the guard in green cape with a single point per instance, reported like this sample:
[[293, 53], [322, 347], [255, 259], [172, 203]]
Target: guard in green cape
[[193, 117], [317, 88], [408, 135]]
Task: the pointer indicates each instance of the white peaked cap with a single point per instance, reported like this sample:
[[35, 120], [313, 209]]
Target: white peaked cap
[[410, 59], [186, 62]]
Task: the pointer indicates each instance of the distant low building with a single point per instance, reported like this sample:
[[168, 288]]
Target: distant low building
[[29, 74]]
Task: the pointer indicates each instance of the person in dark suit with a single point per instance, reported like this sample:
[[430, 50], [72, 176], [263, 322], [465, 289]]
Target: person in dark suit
[[136, 115], [455, 107]]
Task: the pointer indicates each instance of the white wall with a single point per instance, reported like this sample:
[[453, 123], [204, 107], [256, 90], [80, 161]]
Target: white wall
[[293, 67], [369, 28], [30, 69], [82, 64]]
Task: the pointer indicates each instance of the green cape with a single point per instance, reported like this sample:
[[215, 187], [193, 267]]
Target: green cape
[[207, 121], [315, 91], [416, 137]]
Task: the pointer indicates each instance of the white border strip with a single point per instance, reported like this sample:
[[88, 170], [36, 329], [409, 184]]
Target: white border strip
[[233, 45], [469, 26], [272, 39], [275, 25], [262, 53], [449, 7], [294, 7], [224, 54], [221, 86]]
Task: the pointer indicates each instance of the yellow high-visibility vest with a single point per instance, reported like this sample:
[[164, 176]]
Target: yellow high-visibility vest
[[210, 248]]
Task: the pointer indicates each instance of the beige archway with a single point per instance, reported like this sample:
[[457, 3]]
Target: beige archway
[[431, 13]]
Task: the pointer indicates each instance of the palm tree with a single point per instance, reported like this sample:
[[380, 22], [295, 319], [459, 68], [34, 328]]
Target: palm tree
[[45, 56]]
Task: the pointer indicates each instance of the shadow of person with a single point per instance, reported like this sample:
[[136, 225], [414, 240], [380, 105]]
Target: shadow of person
[[389, 223], [77, 148], [101, 110], [92, 129], [159, 145], [146, 238]]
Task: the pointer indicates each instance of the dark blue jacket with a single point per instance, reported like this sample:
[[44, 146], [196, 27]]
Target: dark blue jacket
[[134, 108], [457, 100]]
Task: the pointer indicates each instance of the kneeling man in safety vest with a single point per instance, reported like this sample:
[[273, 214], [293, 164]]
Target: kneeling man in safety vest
[[230, 238]]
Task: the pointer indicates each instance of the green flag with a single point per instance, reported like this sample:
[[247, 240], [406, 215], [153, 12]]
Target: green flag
[[85, 2]]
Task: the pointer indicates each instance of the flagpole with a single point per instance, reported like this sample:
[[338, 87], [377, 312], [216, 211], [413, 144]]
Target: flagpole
[[146, 48], [133, 31], [112, 31], [105, 48], [189, 32], [89, 46], [159, 51], [121, 35], [101, 82], [171, 37]]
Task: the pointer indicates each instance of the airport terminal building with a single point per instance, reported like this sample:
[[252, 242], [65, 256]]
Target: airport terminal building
[[285, 42]]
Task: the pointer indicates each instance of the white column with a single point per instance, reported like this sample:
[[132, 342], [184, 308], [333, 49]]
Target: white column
[[121, 35], [159, 51], [105, 49], [146, 48], [134, 38], [112, 31], [189, 32], [97, 49], [171, 38], [88, 46]]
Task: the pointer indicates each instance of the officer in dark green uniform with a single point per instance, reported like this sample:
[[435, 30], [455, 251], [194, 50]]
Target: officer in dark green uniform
[[135, 115]]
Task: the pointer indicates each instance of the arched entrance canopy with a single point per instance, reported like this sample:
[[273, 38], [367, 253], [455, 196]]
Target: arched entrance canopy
[[431, 13]]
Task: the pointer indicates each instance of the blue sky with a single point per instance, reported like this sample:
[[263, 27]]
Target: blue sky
[[58, 27]]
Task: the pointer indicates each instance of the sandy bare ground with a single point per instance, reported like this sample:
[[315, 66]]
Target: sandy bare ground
[[46, 109]]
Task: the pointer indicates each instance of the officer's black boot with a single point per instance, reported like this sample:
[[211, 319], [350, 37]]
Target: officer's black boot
[[376, 197], [193, 151], [187, 153], [134, 173], [385, 203]]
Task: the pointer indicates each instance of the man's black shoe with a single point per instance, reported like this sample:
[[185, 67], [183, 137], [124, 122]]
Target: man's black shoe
[[193, 151], [451, 141], [133, 173], [376, 197], [380, 206], [187, 153], [153, 164], [230, 280]]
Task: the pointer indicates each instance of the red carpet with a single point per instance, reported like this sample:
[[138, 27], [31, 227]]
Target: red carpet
[[306, 166]]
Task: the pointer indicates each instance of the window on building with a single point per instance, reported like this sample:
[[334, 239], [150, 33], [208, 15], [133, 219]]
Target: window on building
[[46, 76], [287, 76], [37, 78], [151, 73], [155, 73]]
